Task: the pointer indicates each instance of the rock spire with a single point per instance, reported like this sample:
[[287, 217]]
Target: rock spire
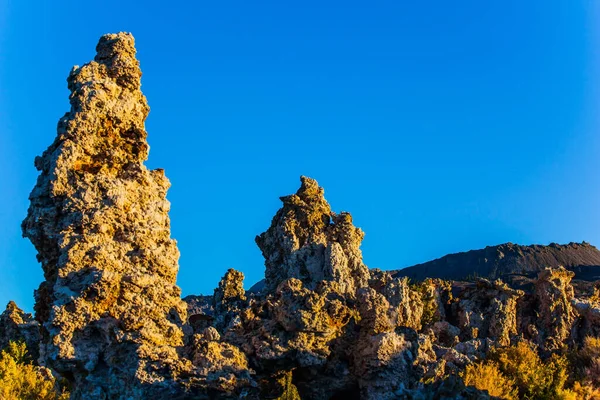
[[109, 306], [308, 241]]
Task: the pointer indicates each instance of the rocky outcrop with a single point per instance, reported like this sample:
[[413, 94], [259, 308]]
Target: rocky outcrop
[[229, 299], [553, 296], [406, 305], [588, 318], [110, 310], [18, 326], [307, 241], [295, 325], [110, 319], [488, 310], [223, 366], [382, 357], [509, 259]]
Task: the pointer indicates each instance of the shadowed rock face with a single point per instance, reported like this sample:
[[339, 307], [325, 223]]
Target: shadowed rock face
[[16, 325], [109, 307], [507, 259], [309, 242]]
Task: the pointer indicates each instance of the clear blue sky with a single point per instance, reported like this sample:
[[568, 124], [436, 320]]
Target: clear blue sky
[[441, 126]]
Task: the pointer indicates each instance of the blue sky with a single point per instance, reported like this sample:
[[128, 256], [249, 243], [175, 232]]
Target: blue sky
[[441, 126]]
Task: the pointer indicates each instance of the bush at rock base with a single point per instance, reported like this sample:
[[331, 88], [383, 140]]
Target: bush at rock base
[[487, 376], [518, 372], [21, 380]]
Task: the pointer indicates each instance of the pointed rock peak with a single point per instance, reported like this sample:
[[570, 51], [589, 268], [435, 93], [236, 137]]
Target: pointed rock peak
[[310, 189], [229, 298], [108, 111], [17, 325], [99, 221], [117, 52], [113, 45], [309, 242], [12, 306], [15, 314], [310, 195], [231, 287]]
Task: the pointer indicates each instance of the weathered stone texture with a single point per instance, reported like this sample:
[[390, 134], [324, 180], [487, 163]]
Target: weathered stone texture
[[99, 221], [555, 315], [16, 325], [111, 320], [488, 310], [309, 242]]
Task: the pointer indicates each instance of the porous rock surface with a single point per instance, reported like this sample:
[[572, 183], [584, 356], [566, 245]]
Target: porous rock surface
[[110, 310], [16, 325], [488, 310], [110, 319], [554, 297], [306, 240]]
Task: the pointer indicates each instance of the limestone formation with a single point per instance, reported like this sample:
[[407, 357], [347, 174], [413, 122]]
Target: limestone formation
[[488, 310], [223, 365], [588, 312], [554, 295], [296, 325], [382, 358], [229, 299], [405, 303], [309, 242], [16, 325], [109, 318], [110, 309]]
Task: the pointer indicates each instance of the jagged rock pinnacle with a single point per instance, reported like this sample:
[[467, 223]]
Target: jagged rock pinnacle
[[16, 325], [109, 306], [308, 241]]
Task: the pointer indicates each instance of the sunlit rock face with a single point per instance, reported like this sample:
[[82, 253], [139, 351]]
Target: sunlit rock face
[[307, 241], [110, 309], [555, 315], [488, 310], [110, 318]]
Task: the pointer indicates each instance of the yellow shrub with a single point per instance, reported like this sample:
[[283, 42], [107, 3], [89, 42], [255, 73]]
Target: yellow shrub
[[534, 378], [592, 346], [587, 363], [20, 380], [524, 375], [487, 376], [585, 392]]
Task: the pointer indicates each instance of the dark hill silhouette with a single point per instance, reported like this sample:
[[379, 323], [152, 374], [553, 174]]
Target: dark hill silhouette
[[510, 259]]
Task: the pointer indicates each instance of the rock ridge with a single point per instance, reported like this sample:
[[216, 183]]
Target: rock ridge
[[508, 259]]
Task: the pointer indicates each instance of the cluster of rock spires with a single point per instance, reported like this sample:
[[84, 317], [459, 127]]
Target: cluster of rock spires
[[110, 320]]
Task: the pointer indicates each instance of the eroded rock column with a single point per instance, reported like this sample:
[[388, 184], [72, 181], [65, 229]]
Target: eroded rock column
[[110, 309], [554, 294], [307, 241]]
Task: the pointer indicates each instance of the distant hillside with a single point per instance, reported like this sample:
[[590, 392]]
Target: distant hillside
[[509, 259]]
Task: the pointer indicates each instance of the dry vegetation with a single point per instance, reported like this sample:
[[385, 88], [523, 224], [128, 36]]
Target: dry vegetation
[[518, 372], [22, 380]]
